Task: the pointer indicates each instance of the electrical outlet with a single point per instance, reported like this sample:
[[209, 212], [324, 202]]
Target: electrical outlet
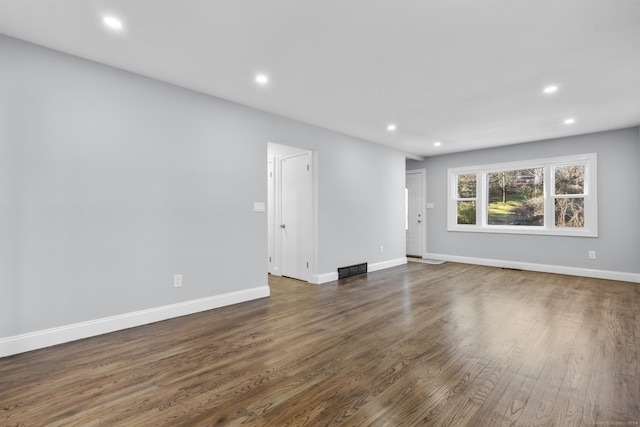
[[177, 281], [381, 249], [592, 254]]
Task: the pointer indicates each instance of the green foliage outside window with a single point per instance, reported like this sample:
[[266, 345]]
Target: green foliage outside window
[[516, 197], [466, 190]]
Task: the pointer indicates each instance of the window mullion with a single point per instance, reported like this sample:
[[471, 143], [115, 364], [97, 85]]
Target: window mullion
[[482, 199], [549, 199]]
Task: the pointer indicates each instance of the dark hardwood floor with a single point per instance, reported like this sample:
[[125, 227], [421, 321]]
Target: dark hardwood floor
[[433, 345]]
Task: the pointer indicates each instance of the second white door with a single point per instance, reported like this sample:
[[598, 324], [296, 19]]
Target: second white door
[[415, 183], [295, 215]]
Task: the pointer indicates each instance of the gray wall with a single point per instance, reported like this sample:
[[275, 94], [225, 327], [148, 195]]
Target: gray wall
[[618, 243], [110, 183]]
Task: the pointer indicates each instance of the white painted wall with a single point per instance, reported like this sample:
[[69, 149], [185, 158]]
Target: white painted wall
[[110, 183], [618, 243]]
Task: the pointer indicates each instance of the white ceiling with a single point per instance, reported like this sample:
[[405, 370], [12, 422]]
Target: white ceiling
[[468, 73]]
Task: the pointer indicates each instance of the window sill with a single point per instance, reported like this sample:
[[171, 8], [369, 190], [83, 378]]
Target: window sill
[[525, 230]]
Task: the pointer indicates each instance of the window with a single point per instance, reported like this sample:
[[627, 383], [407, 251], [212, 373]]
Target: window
[[546, 196], [516, 197], [569, 196], [466, 198]]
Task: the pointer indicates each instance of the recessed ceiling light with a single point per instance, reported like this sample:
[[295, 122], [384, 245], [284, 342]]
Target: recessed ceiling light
[[391, 127], [550, 89], [569, 121], [112, 22], [437, 144], [262, 79]]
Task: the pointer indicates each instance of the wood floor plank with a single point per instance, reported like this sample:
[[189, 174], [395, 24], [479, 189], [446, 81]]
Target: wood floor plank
[[435, 345]]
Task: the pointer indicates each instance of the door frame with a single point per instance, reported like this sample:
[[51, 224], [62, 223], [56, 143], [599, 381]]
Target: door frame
[[423, 207], [275, 246]]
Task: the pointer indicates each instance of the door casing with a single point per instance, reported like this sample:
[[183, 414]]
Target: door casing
[[277, 264]]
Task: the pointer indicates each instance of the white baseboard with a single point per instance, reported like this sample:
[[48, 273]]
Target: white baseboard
[[319, 279], [48, 337], [387, 264], [544, 268]]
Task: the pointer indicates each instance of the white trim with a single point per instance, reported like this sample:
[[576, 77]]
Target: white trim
[[544, 268], [387, 264], [318, 279], [62, 334]]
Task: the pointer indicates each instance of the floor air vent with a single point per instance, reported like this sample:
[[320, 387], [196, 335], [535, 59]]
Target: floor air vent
[[352, 270]]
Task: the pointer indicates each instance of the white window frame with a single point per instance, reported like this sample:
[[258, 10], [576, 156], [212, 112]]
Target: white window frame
[[549, 165]]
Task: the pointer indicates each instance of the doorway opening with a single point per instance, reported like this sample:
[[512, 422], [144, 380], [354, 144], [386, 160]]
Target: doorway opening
[[289, 211]]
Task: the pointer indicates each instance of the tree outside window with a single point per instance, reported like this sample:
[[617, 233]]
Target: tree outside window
[[569, 196], [466, 198], [516, 197]]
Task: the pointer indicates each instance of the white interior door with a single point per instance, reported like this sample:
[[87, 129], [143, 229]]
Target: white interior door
[[295, 215], [271, 225], [415, 184]]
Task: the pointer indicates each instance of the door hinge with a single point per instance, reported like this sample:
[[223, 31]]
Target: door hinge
[[307, 265], [269, 259], [307, 167]]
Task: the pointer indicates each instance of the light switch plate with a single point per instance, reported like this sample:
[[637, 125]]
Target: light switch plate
[[259, 207]]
